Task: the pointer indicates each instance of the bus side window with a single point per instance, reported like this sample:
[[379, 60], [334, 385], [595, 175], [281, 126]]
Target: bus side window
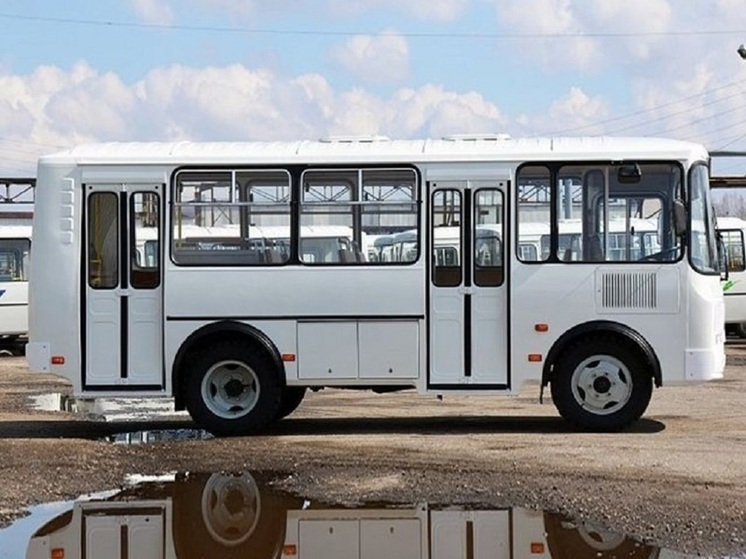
[[145, 242], [103, 245], [487, 237]]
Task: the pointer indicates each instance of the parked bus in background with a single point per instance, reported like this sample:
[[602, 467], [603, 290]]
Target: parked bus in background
[[732, 231], [237, 338], [15, 246], [16, 211]]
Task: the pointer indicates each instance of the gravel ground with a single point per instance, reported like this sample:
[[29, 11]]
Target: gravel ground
[[676, 479]]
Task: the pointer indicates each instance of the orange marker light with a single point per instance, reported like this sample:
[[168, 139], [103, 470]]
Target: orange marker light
[[541, 327], [537, 547], [288, 357], [58, 360], [57, 553], [290, 549], [534, 357]]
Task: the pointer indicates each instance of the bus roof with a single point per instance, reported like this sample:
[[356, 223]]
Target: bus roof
[[378, 150], [15, 231], [729, 222]]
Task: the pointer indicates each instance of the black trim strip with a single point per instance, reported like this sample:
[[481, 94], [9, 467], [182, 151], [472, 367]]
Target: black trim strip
[[301, 318], [83, 284], [124, 335], [123, 388], [13, 304], [467, 335], [465, 387]]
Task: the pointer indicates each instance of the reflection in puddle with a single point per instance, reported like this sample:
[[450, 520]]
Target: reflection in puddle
[[232, 516], [51, 402], [156, 435], [109, 409]]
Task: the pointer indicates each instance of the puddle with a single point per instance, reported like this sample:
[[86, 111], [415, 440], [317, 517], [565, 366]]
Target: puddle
[[156, 435], [110, 409], [51, 402], [230, 516]]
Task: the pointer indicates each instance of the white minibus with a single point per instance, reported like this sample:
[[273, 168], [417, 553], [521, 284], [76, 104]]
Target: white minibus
[[732, 230], [237, 335], [15, 246]]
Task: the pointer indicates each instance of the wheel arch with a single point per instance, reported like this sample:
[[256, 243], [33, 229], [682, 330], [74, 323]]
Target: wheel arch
[[220, 331], [620, 331]]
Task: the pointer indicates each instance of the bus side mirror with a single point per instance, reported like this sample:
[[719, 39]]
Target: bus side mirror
[[679, 218]]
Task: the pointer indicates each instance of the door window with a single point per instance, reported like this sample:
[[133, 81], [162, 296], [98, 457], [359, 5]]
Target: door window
[[103, 240]]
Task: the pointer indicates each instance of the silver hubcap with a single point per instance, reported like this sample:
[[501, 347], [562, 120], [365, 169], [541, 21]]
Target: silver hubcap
[[230, 389], [231, 506], [601, 384]]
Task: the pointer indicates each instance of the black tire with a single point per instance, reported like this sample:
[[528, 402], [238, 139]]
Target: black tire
[[232, 389], [291, 398], [227, 516], [569, 539], [601, 383], [741, 329]]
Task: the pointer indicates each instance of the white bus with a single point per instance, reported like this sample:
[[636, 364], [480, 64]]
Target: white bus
[[732, 230], [233, 517], [15, 246], [237, 338]]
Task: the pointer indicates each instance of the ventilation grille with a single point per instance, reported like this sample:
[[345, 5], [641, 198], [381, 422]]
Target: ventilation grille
[[629, 290]]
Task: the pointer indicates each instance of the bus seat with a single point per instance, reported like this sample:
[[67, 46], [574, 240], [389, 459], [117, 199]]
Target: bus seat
[[346, 256], [273, 256]]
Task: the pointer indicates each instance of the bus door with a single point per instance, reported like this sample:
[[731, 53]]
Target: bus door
[[467, 296], [122, 303]]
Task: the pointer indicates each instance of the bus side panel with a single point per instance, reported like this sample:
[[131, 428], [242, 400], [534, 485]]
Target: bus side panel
[[374, 306], [566, 295]]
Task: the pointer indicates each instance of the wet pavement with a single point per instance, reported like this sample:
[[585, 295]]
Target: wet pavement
[[219, 515]]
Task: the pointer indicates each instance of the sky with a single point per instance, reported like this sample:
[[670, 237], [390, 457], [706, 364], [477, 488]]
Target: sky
[[77, 71]]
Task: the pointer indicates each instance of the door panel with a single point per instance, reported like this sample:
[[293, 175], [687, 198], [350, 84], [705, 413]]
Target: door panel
[[123, 303], [467, 323]]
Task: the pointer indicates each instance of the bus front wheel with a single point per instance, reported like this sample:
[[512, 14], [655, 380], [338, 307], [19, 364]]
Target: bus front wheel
[[601, 384], [231, 389], [291, 398]]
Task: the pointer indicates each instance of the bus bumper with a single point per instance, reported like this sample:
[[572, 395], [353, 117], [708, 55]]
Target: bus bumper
[[38, 357], [705, 364]]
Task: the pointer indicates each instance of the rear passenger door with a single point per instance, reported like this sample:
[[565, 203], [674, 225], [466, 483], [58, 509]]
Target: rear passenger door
[[122, 303]]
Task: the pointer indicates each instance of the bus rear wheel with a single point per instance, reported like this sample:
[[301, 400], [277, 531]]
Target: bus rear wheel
[[741, 329], [601, 384], [231, 390]]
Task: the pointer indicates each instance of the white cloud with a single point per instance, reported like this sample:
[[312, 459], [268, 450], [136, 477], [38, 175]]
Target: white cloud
[[575, 112], [440, 11], [157, 12], [60, 108], [576, 108], [375, 59]]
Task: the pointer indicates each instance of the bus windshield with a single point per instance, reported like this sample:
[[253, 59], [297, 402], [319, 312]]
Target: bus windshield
[[702, 240]]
